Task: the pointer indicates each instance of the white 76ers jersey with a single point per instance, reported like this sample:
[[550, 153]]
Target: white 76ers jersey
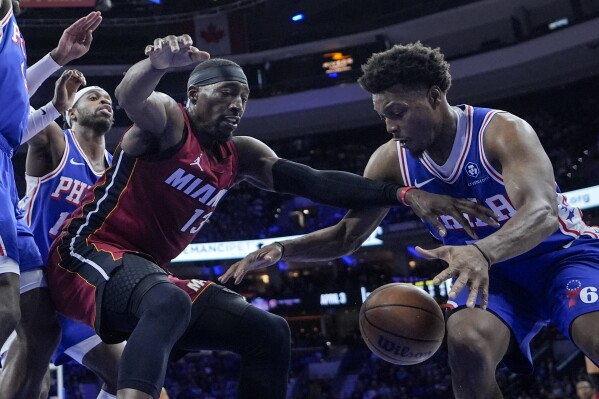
[[51, 198], [468, 174]]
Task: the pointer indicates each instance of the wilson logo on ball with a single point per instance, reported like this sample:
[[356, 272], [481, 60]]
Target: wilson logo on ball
[[401, 351]]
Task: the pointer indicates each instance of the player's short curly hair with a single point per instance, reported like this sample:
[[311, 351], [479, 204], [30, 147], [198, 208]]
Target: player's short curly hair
[[412, 65]]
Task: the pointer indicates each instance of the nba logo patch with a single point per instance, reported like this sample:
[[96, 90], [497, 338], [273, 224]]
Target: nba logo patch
[[471, 169]]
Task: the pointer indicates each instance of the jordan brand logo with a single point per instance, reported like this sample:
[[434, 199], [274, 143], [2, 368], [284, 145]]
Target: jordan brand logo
[[197, 162]]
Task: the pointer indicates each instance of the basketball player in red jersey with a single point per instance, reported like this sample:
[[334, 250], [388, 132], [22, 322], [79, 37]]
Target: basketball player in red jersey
[[171, 169]]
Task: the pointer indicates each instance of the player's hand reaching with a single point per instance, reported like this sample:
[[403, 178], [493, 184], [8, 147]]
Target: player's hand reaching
[[470, 268], [174, 51], [76, 39], [65, 89], [429, 207], [261, 258]]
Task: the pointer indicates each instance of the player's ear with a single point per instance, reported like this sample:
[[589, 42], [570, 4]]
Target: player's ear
[[192, 94], [435, 95]]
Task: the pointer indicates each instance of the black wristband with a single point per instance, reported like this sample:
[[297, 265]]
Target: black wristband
[[483, 254]]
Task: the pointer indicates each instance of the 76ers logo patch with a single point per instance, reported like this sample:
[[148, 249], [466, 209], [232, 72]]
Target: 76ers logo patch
[[575, 291]]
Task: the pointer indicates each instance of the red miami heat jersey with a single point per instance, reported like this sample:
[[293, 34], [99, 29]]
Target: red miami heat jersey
[[156, 207]]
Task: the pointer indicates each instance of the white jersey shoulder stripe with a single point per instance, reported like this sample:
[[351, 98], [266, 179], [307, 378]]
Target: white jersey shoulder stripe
[[403, 165], [483, 157], [63, 161]]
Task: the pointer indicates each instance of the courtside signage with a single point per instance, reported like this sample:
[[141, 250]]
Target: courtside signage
[[239, 249], [584, 198]]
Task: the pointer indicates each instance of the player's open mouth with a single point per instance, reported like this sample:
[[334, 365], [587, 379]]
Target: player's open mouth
[[231, 122]]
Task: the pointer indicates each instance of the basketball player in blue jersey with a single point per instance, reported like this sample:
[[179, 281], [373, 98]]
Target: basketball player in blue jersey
[[61, 166], [14, 110], [171, 169], [542, 263]]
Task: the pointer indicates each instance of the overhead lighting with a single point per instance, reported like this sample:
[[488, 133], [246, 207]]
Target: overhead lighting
[[103, 5], [297, 17]]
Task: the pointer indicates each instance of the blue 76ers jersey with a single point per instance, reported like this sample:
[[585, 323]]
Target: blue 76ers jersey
[[51, 198], [468, 174], [14, 100]]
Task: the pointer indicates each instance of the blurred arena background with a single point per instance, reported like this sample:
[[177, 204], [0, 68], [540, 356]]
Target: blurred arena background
[[538, 59]]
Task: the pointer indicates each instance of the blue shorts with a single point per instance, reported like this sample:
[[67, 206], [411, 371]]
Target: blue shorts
[[77, 339], [556, 288], [29, 254], [16, 239]]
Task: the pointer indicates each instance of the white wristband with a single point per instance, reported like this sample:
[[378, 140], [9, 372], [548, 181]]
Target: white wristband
[[38, 120], [39, 72]]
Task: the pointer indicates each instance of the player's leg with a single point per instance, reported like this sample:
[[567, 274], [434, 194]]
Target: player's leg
[[584, 334], [593, 373], [140, 303], [104, 360], [477, 341], [81, 343], [9, 292], [46, 385], [223, 320], [574, 296], [10, 312], [38, 333]]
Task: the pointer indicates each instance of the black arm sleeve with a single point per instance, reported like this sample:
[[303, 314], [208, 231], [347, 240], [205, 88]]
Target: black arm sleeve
[[330, 187]]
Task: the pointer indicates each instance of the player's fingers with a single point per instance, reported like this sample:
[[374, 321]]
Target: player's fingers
[[427, 253], [484, 295], [185, 40], [472, 294], [433, 219], [459, 216], [444, 275], [227, 275], [95, 23], [197, 55], [65, 75], [240, 274], [172, 42], [479, 211], [458, 285], [149, 49], [158, 44]]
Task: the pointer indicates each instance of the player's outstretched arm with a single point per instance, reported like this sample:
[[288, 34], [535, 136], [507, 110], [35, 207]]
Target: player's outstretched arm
[[148, 109], [76, 40], [74, 43], [348, 235]]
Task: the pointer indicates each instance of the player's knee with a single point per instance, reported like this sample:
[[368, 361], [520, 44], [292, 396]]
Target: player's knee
[[169, 304], [10, 316], [467, 341], [42, 331], [591, 348], [280, 333], [267, 333], [583, 332]]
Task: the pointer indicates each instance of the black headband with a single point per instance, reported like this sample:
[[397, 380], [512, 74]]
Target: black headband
[[215, 74]]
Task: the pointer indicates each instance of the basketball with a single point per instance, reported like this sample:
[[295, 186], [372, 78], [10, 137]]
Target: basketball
[[401, 324]]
